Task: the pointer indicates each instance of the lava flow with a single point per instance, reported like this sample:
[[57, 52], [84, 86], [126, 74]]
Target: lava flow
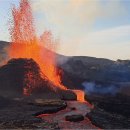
[[80, 95], [26, 44]]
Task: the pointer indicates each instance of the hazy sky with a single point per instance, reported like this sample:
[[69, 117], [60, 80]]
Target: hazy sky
[[99, 28]]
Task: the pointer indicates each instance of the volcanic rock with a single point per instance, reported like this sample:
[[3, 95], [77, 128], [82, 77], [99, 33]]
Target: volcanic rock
[[21, 115], [106, 120], [13, 78], [119, 104], [47, 102], [56, 105], [110, 112], [49, 111], [74, 118], [68, 95], [113, 76], [73, 108]]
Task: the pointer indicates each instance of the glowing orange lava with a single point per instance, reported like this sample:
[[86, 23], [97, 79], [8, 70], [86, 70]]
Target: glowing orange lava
[[26, 44], [80, 95]]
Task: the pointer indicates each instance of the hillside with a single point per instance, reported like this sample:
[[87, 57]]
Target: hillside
[[82, 71], [106, 83]]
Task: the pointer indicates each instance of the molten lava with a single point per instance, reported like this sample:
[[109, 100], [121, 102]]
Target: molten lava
[[80, 95], [26, 44]]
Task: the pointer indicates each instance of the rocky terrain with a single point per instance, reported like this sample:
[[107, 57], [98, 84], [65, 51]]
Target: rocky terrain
[[110, 112], [107, 120], [106, 83], [23, 111], [73, 117], [20, 113], [43, 114], [14, 79], [29, 110], [80, 69], [100, 71]]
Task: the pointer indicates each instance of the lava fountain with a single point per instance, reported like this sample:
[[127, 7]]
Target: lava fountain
[[26, 44]]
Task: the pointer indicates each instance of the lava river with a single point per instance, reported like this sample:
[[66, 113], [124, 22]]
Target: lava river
[[80, 108]]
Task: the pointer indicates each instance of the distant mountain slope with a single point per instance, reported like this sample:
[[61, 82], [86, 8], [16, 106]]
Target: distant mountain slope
[[98, 69], [3, 46], [79, 69]]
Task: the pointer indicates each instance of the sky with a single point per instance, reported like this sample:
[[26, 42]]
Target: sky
[[97, 28]]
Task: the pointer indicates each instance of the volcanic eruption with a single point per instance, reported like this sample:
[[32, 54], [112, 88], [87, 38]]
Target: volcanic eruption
[[26, 44]]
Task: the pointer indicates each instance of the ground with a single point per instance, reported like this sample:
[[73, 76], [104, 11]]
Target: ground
[[24, 114]]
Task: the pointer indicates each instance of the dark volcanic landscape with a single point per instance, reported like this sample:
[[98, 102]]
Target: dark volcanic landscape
[[105, 82]]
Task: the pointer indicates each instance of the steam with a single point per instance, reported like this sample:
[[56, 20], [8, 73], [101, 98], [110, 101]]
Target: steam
[[60, 59], [92, 87]]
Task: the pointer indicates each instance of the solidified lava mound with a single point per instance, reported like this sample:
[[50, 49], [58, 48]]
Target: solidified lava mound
[[13, 79]]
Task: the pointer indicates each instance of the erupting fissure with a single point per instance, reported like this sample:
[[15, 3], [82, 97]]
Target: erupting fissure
[[26, 44]]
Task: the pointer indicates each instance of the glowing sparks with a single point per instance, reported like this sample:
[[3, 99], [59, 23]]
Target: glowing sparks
[[25, 44]]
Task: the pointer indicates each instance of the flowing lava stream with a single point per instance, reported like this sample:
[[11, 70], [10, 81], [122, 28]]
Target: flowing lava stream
[[26, 44], [80, 95], [80, 108]]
